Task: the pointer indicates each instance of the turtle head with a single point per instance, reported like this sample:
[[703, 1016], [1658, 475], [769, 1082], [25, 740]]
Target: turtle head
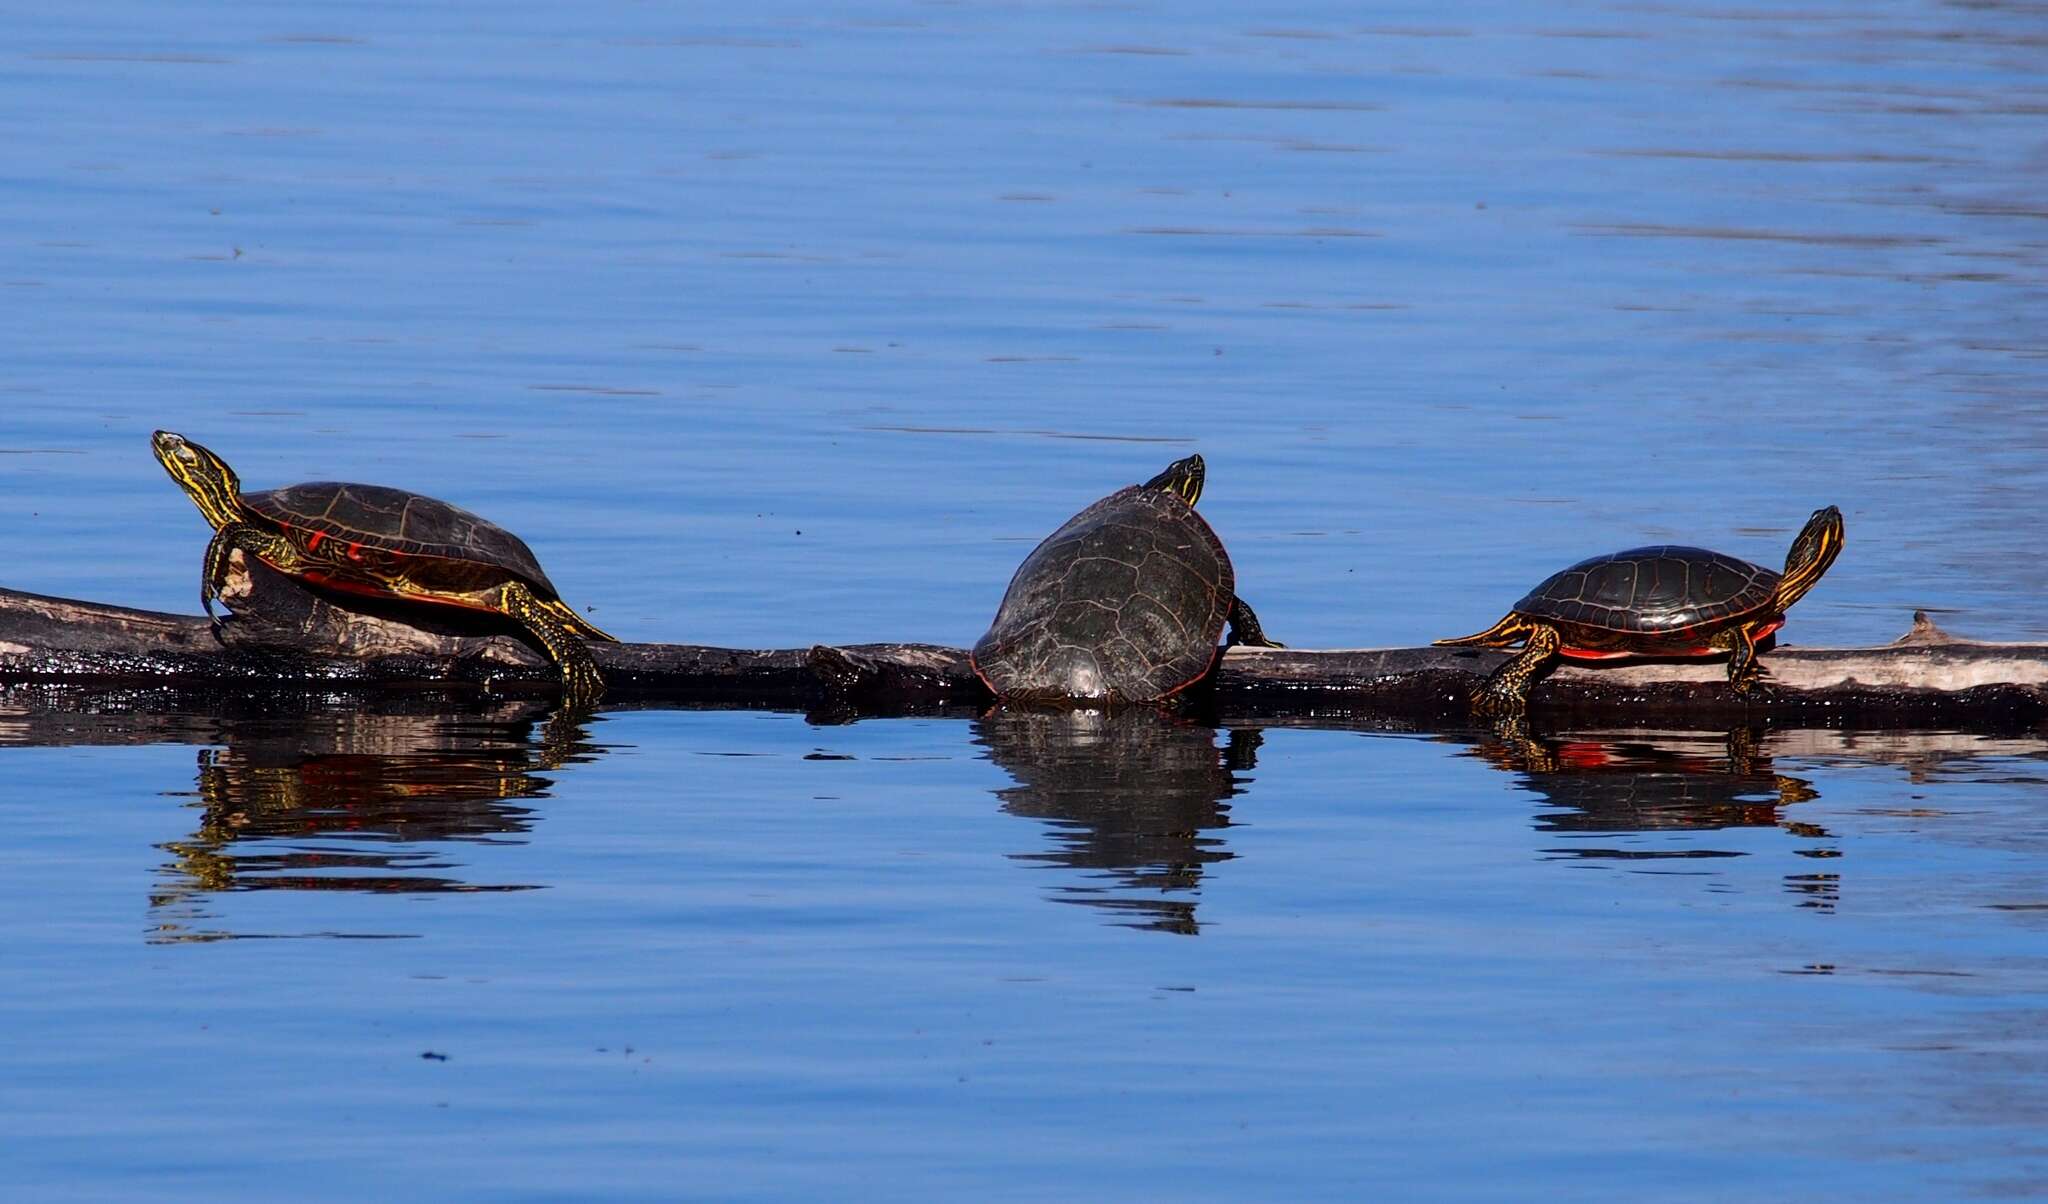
[[1182, 478], [1819, 542], [205, 477]]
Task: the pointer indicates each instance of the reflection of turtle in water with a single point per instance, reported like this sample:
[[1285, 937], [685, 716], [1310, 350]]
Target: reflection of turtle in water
[[1124, 603], [1660, 783], [1657, 601], [1130, 793], [1646, 783], [384, 543], [352, 802]]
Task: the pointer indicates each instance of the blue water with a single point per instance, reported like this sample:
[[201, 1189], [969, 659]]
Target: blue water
[[728, 955], [803, 324]]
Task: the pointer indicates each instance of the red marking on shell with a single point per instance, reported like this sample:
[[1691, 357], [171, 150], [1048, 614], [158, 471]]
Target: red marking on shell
[[312, 544], [1610, 654], [1584, 755], [355, 551], [371, 589], [348, 585]]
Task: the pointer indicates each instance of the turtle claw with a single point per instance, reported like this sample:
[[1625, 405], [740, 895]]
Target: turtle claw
[[217, 622]]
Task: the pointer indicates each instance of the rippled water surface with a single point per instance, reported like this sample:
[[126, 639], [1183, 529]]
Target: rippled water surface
[[802, 323], [1023, 955]]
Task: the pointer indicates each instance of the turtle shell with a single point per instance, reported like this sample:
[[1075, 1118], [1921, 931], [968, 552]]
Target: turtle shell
[[1664, 592], [1124, 603], [399, 522]]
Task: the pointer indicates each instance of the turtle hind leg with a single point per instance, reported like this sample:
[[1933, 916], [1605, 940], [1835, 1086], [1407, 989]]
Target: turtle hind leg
[[1510, 628], [1506, 692], [1245, 629], [581, 682]]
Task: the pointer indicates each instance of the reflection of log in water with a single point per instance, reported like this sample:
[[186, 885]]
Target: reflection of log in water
[[348, 801], [1659, 783], [1131, 794]]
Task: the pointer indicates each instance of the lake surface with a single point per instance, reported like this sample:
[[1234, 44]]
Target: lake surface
[[803, 324]]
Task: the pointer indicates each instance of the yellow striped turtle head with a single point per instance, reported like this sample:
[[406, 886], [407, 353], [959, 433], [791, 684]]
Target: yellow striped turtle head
[[1819, 542], [1182, 478], [205, 477]]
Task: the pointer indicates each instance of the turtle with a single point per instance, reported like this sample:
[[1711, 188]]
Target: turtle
[[385, 543], [1666, 600], [1124, 603]]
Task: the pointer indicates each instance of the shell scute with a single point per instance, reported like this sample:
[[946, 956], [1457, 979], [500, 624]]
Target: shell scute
[[1653, 591], [1125, 602], [398, 521]]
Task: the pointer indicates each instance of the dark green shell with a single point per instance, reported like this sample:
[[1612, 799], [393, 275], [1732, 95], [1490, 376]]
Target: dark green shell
[[401, 522], [1124, 603], [1663, 591]]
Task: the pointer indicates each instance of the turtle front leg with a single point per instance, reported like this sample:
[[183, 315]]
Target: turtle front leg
[[1744, 669], [1507, 691], [214, 573], [1245, 629], [581, 682], [269, 547]]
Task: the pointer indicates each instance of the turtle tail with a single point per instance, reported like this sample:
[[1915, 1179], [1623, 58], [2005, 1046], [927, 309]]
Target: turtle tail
[[1512, 627]]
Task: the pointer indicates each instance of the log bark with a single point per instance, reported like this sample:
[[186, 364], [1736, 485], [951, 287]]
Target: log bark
[[1926, 676], [284, 637]]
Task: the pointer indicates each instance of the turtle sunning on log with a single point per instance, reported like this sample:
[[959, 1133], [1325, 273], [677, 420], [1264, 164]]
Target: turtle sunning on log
[[1667, 600], [1124, 603], [384, 543]]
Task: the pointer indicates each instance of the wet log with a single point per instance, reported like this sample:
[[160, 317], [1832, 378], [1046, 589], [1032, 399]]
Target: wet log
[[284, 637], [1926, 676]]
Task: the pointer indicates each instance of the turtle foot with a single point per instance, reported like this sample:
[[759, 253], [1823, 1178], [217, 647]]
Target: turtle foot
[[1498, 703], [582, 686]]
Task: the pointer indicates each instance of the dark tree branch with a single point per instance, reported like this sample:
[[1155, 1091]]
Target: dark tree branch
[[283, 636]]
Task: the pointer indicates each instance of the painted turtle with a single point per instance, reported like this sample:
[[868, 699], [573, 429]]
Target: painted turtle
[[1659, 601], [385, 543], [1124, 603]]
